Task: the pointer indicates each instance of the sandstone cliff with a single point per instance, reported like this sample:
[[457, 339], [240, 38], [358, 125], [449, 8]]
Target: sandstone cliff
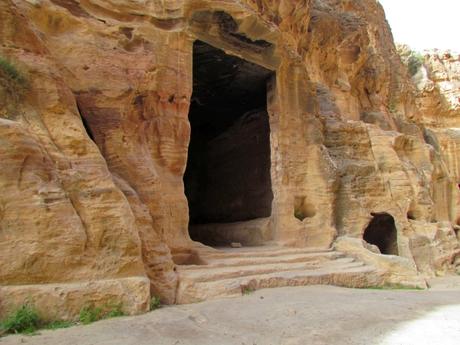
[[96, 132]]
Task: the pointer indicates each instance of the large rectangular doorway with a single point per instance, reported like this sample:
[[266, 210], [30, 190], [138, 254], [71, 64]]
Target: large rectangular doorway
[[227, 178]]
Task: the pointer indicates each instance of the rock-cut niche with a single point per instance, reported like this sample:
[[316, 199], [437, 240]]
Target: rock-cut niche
[[227, 178], [382, 233]]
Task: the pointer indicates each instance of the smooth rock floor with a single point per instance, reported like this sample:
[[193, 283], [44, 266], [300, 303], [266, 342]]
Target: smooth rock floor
[[314, 315]]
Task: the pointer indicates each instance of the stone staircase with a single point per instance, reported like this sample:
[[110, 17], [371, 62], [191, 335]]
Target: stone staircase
[[231, 272]]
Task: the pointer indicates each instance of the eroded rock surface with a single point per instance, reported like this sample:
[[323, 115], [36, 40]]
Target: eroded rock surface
[[95, 142]]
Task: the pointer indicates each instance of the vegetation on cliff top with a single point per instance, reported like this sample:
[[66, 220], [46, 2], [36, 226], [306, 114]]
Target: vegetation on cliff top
[[411, 58], [9, 71], [13, 86], [414, 63]]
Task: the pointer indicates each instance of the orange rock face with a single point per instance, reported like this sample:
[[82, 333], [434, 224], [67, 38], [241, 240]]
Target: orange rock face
[[95, 142]]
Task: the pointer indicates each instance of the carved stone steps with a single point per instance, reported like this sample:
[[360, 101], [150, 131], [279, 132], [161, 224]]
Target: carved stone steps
[[235, 272], [251, 252], [263, 260]]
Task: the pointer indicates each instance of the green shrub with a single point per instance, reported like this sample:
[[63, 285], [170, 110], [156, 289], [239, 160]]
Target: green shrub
[[247, 290], [59, 324], [414, 62], [114, 311], [23, 320], [27, 320], [411, 58], [11, 72], [155, 303], [90, 314]]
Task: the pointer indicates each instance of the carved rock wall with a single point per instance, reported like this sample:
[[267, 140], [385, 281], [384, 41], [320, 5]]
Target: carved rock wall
[[438, 89], [390, 161], [94, 147], [63, 220]]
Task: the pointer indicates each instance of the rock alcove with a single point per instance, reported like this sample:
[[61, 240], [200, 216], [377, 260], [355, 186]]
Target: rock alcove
[[227, 179], [382, 233]]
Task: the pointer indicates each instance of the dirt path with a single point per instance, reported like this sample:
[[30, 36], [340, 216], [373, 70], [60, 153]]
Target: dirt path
[[316, 315]]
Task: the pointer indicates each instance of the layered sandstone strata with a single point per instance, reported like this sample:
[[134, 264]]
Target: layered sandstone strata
[[95, 146]]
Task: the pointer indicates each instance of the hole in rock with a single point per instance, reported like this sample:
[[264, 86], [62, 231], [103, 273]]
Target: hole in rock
[[382, 233], [303, 209], [411, 215], [227, 178]]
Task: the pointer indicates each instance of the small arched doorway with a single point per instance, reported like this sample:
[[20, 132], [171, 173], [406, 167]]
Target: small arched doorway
[[382, 233]]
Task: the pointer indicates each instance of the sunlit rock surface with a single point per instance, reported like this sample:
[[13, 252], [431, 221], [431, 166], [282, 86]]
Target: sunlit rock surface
[[95, 142]]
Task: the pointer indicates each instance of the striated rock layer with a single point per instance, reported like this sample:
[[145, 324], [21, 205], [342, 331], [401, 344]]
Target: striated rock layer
[[96, 132]]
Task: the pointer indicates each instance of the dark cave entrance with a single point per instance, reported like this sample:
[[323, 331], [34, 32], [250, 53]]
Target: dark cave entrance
[[227, 178], [381, 232]]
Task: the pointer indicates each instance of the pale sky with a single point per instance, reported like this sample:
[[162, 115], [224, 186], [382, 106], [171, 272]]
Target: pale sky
[[425, 24]]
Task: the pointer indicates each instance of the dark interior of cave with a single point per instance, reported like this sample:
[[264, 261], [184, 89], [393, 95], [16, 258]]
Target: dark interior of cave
[[381, 232], [227, 178]]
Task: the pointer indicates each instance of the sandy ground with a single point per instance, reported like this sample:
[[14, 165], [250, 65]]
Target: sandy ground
[[290, 316]]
